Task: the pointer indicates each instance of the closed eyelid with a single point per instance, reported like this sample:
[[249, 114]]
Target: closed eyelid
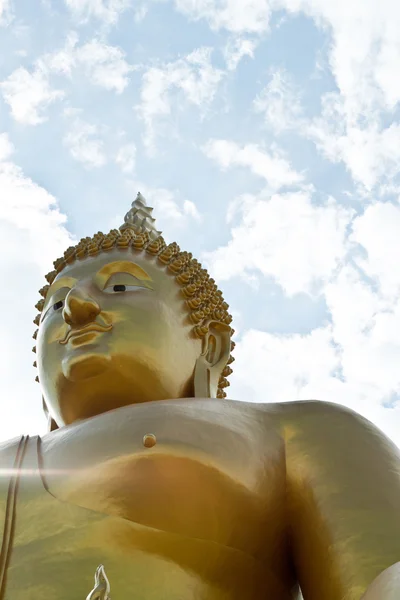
[[132, 280]]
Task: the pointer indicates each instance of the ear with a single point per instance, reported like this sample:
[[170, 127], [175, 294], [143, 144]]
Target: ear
[[51, 424], [213, 359]]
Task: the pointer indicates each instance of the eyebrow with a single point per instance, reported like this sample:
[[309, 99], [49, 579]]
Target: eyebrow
[[121, 266], [101, 277], [61, 283]]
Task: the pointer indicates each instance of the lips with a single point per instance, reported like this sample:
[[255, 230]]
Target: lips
[[92, 327]]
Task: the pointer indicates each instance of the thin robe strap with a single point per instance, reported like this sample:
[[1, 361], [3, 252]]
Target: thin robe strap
[[9, 521]]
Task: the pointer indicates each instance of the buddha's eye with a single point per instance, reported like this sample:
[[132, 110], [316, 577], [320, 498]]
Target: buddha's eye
[[58, 305], [53, 308], [119, 288], [119, 283]]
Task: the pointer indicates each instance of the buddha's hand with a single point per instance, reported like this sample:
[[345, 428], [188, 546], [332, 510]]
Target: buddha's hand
[[101, 588], [386, 586]]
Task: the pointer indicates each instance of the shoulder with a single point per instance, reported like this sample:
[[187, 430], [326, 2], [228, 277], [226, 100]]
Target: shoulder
[[316, 419], [9, 452], [307, 414], [311, 409], [314, 425]]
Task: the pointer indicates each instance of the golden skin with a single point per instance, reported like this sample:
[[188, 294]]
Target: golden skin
[[341, 511]]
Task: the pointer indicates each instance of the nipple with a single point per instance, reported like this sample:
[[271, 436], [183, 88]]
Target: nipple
[[149, 440]]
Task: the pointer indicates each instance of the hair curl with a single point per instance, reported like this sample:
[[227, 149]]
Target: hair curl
[[202, 297]]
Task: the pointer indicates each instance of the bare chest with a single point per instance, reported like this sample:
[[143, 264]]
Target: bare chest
[[199, 468]]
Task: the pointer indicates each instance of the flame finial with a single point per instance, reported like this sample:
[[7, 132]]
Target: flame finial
[[140, 219]]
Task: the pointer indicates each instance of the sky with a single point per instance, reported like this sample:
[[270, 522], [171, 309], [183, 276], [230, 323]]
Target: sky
[[265, 134]]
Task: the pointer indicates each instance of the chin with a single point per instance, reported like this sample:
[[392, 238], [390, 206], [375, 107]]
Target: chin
[[86, 366]]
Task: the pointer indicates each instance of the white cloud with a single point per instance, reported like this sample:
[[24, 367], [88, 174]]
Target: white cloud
[[126, 158], [6, 147], [105, 65], [29, 94], [5, 11], [84, 144], [375, 50], [364, 56], [286, 237], [237, 16], [190, 209], [279, 102], [107, 11], [140, 13], [370, 152], [391, 190], [33, 233], [236, 49], [278, 368], [377, 230], [194, 76], [61, 61], [367, 329], [365, 45], [271, 166]]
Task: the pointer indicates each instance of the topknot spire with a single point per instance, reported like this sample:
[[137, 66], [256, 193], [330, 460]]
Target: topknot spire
[[139, 218]]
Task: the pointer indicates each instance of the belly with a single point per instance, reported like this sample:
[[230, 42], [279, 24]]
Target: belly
[[176, 494], [58, 547], [53, 574]]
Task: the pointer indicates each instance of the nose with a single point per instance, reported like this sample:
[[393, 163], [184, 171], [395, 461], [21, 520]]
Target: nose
[[79, 308]]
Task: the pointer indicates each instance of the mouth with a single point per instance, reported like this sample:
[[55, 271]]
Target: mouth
[[87, 329]]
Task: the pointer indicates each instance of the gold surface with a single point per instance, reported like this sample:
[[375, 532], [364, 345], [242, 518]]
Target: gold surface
[[162, 490]]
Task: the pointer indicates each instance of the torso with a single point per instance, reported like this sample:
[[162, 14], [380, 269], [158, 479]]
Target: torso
[[202, 515], [215, 478]]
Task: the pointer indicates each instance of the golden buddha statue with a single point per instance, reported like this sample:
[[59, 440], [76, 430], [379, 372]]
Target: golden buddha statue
[[155, 485]]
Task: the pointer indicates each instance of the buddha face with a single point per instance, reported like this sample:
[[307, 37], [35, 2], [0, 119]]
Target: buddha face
[[114, 331]]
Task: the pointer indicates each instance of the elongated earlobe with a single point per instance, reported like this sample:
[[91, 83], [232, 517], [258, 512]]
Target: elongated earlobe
[[202, 388], [213, 360], [51, 424]]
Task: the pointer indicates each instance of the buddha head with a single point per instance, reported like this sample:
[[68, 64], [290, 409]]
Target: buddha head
[[125, 319]]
